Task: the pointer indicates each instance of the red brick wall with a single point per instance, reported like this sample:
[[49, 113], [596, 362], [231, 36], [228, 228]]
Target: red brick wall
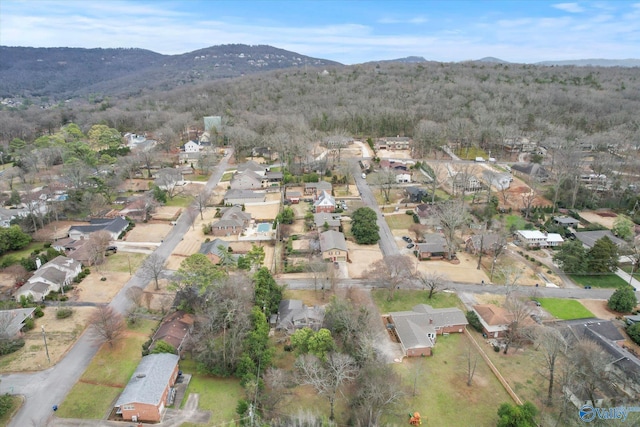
[[455, 329], [418, 352]]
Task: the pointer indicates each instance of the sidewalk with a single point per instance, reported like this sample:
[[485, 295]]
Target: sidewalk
[[627, 278]]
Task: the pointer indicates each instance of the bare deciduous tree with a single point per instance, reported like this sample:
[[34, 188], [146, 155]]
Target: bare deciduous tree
[[519, 312], [202, 201], [452, 216], [433, 281], [391, 272], [152, 268], [107, 324], [326, 377], [386, 181], [553, 346], [97, 246], [472, 362], [379, 390]]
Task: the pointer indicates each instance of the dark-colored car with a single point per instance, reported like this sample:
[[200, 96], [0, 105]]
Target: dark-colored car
[[406, 239], [410, 245]]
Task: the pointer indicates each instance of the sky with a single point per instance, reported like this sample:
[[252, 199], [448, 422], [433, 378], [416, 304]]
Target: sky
[[348, 31]]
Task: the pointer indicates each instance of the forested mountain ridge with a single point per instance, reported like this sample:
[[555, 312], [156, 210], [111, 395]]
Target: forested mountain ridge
[[61, 73]]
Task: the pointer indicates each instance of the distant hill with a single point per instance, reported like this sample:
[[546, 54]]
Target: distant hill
[[70, 72], [595, 62], [492, 60], [408, 59]]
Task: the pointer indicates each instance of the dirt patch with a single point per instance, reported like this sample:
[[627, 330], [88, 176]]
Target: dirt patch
[[167, 213], [150, 232], [465, 271], [361, 256], [598, 308], [61, 335], [93, 289], [261, 212], [603, 218], [55, 230]]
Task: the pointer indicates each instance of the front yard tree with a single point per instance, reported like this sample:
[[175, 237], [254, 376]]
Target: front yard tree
[[603, 256], [198, 272], [623, 299], [623, 227], [550, 341], [287, 216], [152, 268], [589, 370], [201, 201], [97, 246], [451, 216], [364, 227], [433, 281], [391, 272], [107, 324], [386, 181], [268, 293], [519, 312], [326, 377], [572, 257]]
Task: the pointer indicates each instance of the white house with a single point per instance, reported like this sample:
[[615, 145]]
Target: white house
[[536, 238], [403, 177], [51, 277], [192, 147]]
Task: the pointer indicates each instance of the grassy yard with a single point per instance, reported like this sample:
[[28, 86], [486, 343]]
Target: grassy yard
[[23, 253], [406, 299], [565, 309], [400, 221], [514, 221], [16, 403], [120, 262], [106, 376], [598, 281], [180, 201], [199, 178], [627, 269], [441, 394], [218, 395], [226, 177]]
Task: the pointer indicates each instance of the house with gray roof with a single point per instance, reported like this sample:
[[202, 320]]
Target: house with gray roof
[[241, 197], [50, 277], [433, 247], [293, 315], [417, 329], [589, 238], [113, 226], [217, 250], [329, 220], [315, 188], [487, 242], [150, 389], [232, 222], [565, 221], [333, 246], [12, 322], [247, 180]]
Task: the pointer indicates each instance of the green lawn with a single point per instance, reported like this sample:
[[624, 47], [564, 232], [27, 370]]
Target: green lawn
[[16, 403], [218, 395], [627, 269], [442, 395], [23, 253], [226, 176], [180, 201], [598, 281], [106, 376], [406, 299], [399, 221], [471, 153], [565, 309], [515, 221], [200, 178]]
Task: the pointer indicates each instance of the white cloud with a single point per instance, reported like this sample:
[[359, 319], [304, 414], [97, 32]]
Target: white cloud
[[569, 7]]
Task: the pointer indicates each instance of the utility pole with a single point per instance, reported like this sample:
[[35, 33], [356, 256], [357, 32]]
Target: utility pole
[[46, 348]]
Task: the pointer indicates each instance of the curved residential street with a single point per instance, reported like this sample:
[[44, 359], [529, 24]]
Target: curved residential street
[[44, 389]]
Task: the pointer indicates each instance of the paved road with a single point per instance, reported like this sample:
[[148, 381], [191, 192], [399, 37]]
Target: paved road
[[541, 292], [44, 389], [387, 242]]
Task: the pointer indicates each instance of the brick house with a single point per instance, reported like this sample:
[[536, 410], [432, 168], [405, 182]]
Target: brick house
[[333, 246], [433, 247], [175, 329], [150, 389], [417, 329], [324, 203], [232, 222]]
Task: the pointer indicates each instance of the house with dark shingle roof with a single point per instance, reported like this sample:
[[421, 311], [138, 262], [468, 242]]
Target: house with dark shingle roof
[[174, 330], [114, 226], [589, 238], [12, 321], [241, 197], [333, 246], [148, 391], [417, 329], [434, 247], [489, 242], [232, 222], [215, 251], [293, 315], [329, 220]]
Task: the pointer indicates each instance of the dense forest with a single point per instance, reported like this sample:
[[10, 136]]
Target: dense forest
[[566, 110]]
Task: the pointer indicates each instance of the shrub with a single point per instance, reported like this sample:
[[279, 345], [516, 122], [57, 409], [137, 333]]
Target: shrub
[[10, 346], [29, 324], [634, 332], [409, 212], [496, 348], [6, 403], [474, 321], [64, 312], [38, 312]]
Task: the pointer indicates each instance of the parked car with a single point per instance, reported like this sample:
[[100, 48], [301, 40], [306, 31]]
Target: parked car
[[410, 245], [406, 239]]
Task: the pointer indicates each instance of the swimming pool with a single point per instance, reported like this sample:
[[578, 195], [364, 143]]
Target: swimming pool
[[264, 227]]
